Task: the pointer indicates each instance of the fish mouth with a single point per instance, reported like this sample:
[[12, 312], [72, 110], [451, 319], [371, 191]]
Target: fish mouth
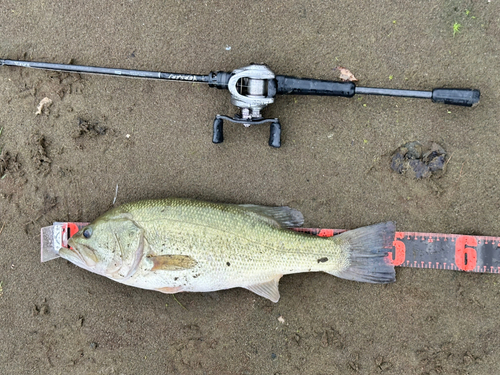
[[78, 253]]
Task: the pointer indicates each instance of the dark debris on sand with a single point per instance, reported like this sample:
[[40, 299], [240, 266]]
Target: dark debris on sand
[[415, 160]]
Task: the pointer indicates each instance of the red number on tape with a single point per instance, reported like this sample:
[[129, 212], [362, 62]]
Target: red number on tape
[[326, 233], [398, 256], [465, 257]]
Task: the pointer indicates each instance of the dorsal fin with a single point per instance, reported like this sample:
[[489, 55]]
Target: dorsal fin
[[277, 216]]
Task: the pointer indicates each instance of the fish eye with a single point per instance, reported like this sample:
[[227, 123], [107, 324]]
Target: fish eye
[[87, 232]]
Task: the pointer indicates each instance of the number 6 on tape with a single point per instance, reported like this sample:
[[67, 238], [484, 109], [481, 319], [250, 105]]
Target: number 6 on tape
[[465, 253]]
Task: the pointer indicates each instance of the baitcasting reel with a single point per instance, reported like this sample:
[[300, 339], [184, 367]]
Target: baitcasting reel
[[252, 88]]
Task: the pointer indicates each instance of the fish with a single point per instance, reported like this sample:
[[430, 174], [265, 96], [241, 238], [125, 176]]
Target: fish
[[177, 245]]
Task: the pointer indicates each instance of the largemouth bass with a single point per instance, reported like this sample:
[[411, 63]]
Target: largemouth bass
[[184, 245]]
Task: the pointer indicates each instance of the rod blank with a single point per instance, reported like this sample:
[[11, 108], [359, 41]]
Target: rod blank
[[108, 71]]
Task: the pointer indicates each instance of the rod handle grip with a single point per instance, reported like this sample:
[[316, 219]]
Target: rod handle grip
[[463, 97], [308, 86]]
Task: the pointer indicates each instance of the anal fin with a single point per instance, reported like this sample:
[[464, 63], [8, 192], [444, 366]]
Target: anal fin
[[170, 289], [268, 289]]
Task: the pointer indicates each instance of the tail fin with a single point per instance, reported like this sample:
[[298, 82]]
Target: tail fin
[[368, 248]]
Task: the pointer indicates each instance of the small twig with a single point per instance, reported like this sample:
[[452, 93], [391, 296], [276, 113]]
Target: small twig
[[180, 304], [116, 194], [447, 161], [460, 175], [1, 229], [1, 129]]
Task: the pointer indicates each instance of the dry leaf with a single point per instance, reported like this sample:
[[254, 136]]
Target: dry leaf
[[346, 75], [281, 319], [44, 103]]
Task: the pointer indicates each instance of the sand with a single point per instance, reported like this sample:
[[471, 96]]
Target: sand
[[153, 140]]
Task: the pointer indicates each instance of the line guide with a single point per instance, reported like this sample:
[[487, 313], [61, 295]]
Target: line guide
[[410, 249]]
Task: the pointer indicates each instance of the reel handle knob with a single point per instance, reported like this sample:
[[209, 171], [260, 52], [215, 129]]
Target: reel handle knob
[[218, 136], [275, 134]]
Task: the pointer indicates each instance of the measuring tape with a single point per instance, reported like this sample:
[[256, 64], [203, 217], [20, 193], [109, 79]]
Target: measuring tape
[[410, 249]]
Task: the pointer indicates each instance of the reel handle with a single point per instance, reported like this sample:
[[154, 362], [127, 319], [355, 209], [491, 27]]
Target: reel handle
[[275, 134], [274, 129], [218, 136]]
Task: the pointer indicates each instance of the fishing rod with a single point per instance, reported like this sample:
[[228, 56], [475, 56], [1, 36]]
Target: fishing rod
[[254, 87]]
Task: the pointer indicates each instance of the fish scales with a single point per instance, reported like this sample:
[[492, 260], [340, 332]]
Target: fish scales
[[254, 250], [176, 245]]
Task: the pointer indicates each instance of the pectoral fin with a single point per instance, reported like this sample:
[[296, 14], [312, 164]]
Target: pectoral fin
[[172, 262], [268, 290]]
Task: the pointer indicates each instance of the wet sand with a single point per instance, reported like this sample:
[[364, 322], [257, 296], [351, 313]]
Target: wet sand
[[153, 140]]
